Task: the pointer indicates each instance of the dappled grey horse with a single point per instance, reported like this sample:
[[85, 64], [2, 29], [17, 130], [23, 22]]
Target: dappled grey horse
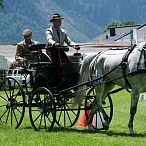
[[123, 67]]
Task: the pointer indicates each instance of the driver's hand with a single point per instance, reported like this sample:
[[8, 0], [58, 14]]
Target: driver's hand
[[77, 47], [56, 45]]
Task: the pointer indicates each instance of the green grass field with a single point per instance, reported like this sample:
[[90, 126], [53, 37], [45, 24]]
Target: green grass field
[[117, 135]]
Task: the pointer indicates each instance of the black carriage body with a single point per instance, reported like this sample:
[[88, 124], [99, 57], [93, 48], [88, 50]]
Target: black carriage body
[[48, 76]]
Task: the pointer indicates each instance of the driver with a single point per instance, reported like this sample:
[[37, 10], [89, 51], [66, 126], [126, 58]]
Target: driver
[[56, 36]]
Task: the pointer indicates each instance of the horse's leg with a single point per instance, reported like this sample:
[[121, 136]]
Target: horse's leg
[[105, 116], [93, 109], [108, 88], [100, 90], [133, 109]]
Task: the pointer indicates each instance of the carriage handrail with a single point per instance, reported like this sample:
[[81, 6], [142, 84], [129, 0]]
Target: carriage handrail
[[93, 45], [36, 47]]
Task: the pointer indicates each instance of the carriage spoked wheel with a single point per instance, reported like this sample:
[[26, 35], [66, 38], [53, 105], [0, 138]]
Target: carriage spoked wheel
[[67, 114], [42, 110], [98, 120], [12, 103]]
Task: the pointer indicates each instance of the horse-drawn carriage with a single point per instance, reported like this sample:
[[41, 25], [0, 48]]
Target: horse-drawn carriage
[[50, 99]]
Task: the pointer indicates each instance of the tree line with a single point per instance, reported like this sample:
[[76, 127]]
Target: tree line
[[1, 4], [116, 24]]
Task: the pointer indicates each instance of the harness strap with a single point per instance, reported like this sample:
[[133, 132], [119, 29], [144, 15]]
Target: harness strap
[[124, 66], [125, 57], [138, 64], [144, 59], [127, 84], [144, 55]]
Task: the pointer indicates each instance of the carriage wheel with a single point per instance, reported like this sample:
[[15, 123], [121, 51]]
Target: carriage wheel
[[67, 114], [12, 103], [42, 110], [98, 121]]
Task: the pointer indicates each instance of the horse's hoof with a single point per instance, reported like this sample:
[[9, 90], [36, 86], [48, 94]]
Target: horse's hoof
[[94, 127], [105, 127], [132, 134], [91, 128]]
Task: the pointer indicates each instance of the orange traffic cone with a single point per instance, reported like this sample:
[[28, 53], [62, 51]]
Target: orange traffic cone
[[82, 122]]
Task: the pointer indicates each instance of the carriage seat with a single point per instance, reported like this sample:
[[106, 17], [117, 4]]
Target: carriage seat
[[43, 60]]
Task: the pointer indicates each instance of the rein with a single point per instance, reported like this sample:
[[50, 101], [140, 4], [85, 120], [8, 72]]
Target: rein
[[124, 66]]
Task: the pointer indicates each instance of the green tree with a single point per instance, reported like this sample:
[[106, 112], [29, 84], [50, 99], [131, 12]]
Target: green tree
[[116, 24], [1, 4]]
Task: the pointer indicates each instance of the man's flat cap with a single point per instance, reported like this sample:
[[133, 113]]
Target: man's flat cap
[[26, 32]]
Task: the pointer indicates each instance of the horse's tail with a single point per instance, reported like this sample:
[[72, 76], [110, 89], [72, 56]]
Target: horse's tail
[[84, 76]]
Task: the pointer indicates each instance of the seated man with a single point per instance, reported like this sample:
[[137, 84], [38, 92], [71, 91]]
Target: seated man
[[56, 37], [22, 52]]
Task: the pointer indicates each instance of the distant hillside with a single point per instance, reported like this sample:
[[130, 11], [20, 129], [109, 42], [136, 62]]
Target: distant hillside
[[84, 19]]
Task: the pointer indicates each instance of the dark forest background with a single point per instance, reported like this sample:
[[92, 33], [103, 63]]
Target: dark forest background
[[84, 19]]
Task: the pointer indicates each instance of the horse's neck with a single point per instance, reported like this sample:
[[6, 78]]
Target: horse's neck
[[136, 60]]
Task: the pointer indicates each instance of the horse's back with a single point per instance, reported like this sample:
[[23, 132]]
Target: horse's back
[[112, 55]]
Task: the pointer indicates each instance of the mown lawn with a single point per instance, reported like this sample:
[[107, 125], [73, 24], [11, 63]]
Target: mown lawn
[[117, 135]]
